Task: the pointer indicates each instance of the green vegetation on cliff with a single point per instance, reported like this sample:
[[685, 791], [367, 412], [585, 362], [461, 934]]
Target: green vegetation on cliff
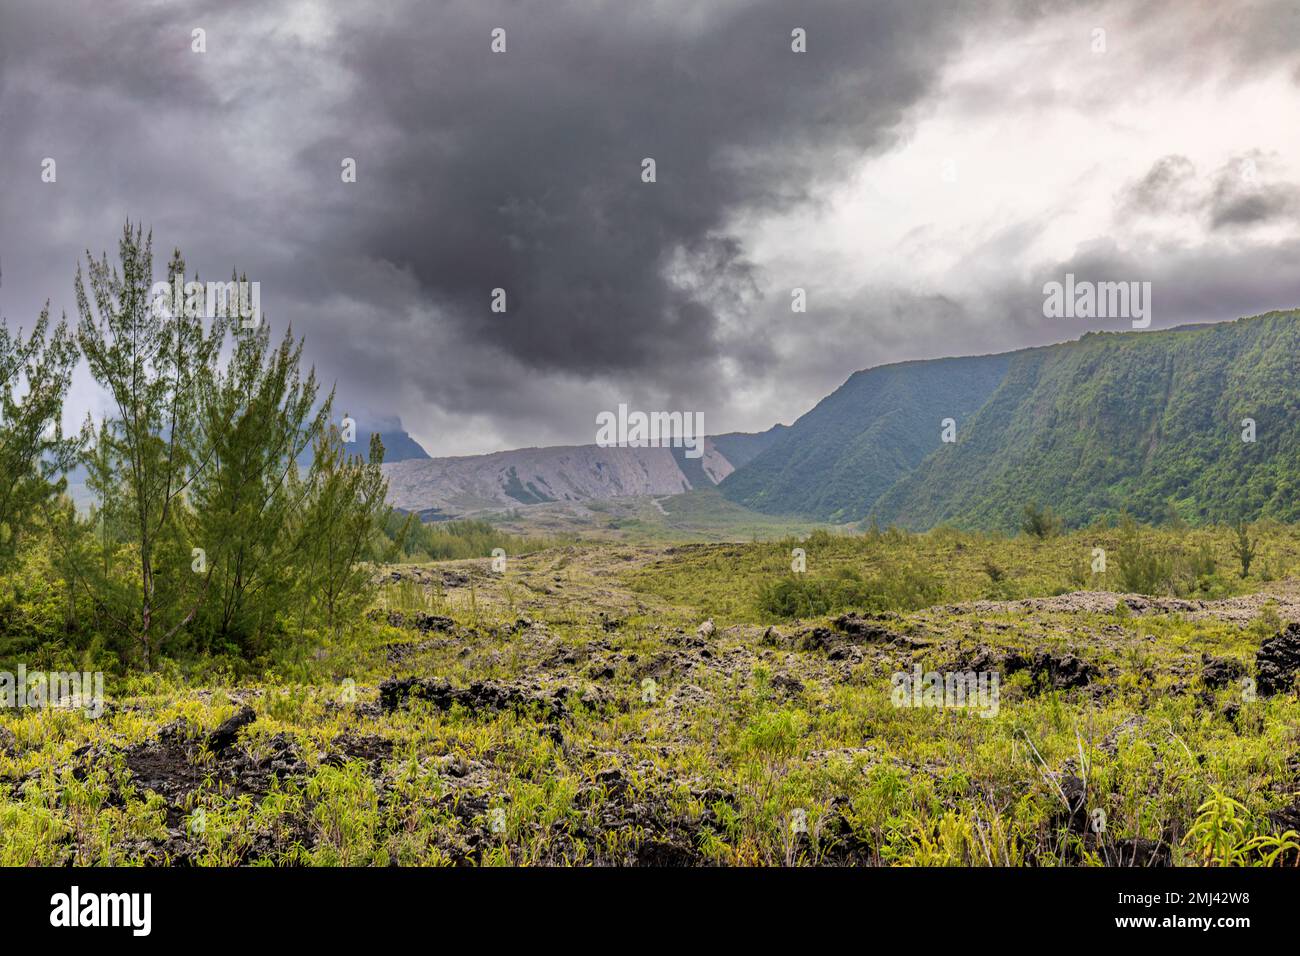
[[1146, 423]]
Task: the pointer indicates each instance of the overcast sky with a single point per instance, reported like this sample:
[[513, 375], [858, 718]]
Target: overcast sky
[[921, 171]]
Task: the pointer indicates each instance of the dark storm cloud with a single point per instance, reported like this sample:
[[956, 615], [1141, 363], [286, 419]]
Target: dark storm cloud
[[522, 170], [1240, 194], [476, 170], [1240, 197], [1167, 187]]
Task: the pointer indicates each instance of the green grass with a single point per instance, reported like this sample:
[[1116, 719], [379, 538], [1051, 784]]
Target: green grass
[[894, 570], [751, 751]]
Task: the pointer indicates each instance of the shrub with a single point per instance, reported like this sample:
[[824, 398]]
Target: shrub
[[1040, 522], [1243, 549], [1143, 568], [897, 586]]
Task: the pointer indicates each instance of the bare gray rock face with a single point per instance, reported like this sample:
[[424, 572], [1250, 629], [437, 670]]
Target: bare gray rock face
[[574, 473]]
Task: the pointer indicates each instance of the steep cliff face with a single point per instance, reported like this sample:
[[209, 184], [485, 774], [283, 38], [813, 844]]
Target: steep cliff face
[[872, 431], [1147, 423]]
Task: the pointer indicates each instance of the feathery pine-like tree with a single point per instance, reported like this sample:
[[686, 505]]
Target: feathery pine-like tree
[[154, 362], [1243, 549], [346, 507], [205, 534], [32, 450], [257, 419]]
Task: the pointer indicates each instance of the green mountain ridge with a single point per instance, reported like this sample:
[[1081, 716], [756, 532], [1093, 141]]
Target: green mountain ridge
[[835, 461], [1144, 422]]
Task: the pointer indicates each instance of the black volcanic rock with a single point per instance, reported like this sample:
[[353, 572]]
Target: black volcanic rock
[[225, 735], [1277, 661]]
